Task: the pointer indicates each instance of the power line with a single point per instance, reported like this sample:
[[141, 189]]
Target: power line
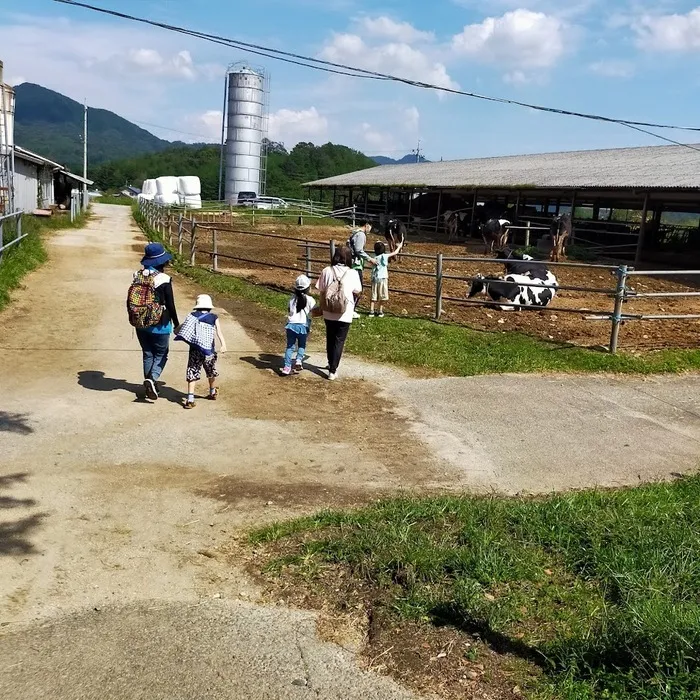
[[351, 71]]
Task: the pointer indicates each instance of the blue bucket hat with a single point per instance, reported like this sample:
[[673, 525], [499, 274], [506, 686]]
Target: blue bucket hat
[[155, 255]]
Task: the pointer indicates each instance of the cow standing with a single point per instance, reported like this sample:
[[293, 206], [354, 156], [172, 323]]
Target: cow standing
[[495, 235], [560, 230], [395, 232]]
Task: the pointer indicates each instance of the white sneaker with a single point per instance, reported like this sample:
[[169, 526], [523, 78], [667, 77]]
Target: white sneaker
[[355, 314], [332, 376]]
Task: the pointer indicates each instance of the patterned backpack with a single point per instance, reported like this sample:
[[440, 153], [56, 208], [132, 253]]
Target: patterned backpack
[[141, 303]]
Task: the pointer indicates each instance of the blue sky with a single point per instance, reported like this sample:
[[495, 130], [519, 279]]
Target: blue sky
[[623, 58]]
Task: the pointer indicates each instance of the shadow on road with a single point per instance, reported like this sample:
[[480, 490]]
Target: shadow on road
[[15, 423], [274, 362], [97, 381], [14, 534]]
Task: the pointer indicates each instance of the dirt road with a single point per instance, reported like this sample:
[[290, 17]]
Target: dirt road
[[110, 501], [116, 515]]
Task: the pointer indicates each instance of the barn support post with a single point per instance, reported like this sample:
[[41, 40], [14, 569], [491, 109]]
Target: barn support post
[[573, 213], [527, 234], [332, 249], [410, 206], [215, 251], [471, 221], [616, 318], [179, 235], [642, 230], [193, 243], [438, 286], [307, 258], [354, 215], [517, 206], [437, 213]]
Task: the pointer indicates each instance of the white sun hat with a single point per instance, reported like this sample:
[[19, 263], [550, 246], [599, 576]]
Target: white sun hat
[[204, 302], [302, 282]]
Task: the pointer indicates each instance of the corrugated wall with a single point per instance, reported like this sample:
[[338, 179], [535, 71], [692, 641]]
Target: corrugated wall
[[30, 181], [26, 185]]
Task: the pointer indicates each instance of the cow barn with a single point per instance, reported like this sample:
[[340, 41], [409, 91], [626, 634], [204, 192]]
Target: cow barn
[[638, 204]]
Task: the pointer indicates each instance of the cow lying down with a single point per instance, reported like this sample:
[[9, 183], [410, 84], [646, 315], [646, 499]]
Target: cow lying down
[[512, 289]]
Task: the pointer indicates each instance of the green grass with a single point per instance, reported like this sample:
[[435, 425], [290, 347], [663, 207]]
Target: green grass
[[599, 589], [458, 351], [111, 199], [30, 253]]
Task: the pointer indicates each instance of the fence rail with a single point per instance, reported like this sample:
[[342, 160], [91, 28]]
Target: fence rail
[[188, 234], [10, 232]]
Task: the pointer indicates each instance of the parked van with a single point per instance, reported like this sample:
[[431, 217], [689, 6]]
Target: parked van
[[270, 203]]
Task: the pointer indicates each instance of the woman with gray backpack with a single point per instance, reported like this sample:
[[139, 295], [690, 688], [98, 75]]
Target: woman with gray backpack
[[339, 286]]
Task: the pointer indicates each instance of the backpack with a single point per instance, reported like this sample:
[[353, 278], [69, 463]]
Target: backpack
[[142, 305], [334, 299]]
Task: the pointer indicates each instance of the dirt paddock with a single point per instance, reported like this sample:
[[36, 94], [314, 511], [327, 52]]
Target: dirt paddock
[[550, 325]]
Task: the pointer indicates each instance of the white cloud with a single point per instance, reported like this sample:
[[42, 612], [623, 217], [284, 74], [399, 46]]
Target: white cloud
[[292, 126], [669, 32], [520, 39], [152, 62], [377, 142], [412, 120], [386, 28], [204, 127], [398, 59], [612, 68]]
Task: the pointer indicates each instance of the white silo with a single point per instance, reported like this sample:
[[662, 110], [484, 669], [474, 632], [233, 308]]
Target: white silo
[[245, 123]]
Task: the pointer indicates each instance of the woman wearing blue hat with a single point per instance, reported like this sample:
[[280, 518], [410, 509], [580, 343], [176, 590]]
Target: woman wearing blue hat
[[155, 340]]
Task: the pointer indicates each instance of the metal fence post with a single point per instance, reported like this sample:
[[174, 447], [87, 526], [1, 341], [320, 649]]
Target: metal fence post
[[527, 234], [621, 273], [19, 227], [438, 286], [179, 235], [214, 249], [193, 243], [170, 231], [307, 258], [332, 247]]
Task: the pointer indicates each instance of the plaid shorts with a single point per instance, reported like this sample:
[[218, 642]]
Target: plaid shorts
[[196, 361]]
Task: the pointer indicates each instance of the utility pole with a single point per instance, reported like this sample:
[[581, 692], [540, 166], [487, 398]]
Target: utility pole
[[417, 152], [85, 118]]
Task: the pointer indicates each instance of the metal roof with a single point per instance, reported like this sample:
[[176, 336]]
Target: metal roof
[[32, 157], [651, 167], [35, 158]]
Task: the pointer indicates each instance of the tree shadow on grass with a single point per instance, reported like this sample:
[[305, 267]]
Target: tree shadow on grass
[[15, 423], [97, 381], [14, 535], [274, 362]]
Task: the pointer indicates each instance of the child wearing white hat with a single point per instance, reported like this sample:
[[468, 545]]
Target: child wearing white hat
[[302, 306], [199, 330]]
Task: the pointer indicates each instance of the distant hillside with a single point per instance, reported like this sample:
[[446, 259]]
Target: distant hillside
[[409, 158], [286, 170], [52, 124]]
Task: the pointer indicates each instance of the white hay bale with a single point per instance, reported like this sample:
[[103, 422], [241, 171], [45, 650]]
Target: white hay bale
[[192, 201], [166, 185], [189, 186], [149, 188]]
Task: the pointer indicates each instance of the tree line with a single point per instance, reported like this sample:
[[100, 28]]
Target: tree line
[[286, 170]]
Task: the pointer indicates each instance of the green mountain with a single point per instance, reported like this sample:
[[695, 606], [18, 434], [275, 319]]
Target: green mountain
[[286, 170], [52, 124]]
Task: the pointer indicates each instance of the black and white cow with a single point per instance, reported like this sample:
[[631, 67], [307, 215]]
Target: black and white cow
[[515, 289], [395, 233], [494, 234], [521, 264]]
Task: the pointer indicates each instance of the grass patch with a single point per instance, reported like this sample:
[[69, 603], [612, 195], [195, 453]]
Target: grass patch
[[600, 590], [30, 253], [456, 350], [112, 199]]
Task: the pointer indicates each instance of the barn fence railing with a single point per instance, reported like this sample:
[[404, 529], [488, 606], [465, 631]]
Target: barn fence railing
[[10, 232], [189, 235]]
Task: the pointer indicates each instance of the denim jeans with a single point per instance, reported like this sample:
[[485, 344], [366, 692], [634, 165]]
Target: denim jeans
[[293, 339], [155, 348]]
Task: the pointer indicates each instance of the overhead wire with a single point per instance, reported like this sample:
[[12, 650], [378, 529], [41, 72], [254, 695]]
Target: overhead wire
[[362, 73]]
